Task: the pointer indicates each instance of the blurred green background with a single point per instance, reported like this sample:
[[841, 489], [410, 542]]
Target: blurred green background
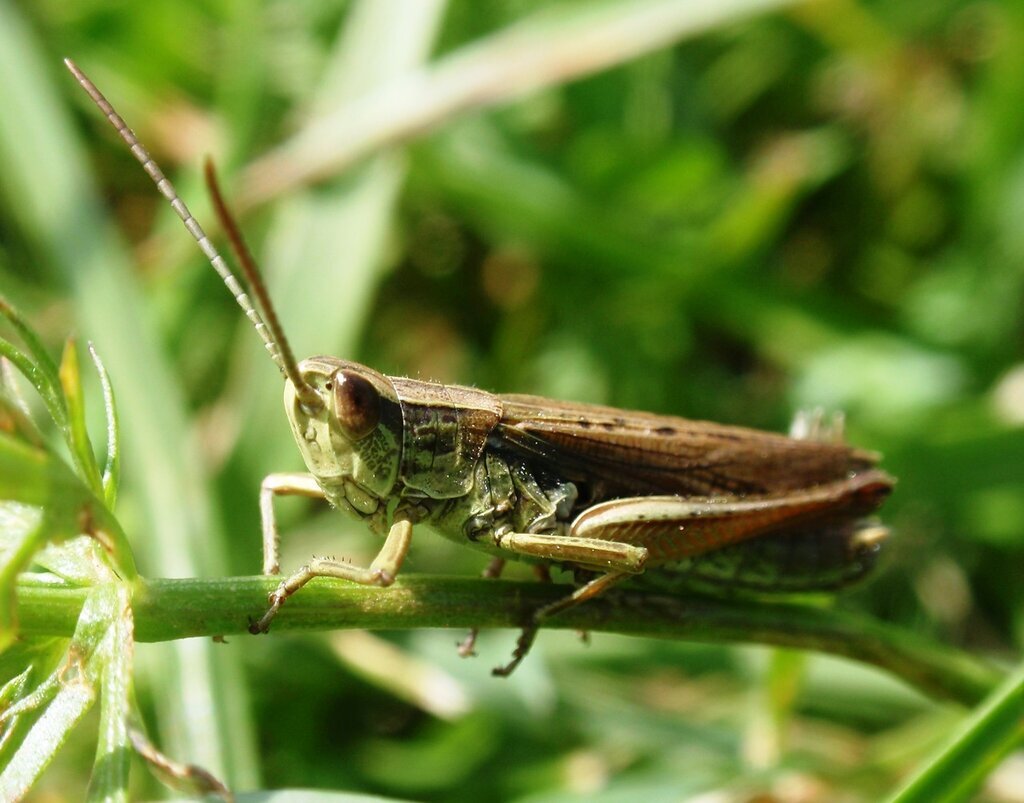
[[819, 206]]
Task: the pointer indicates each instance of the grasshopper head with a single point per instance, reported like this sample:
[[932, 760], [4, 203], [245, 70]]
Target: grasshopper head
[[349, 432]]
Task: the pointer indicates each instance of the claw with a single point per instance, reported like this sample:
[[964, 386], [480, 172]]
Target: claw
[[257, 626], [526, 639], [276, 599]]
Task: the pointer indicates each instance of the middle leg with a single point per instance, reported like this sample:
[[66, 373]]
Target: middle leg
[[467, 647], [614, 560]]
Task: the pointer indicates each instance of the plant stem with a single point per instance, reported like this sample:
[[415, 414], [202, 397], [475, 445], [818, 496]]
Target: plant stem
[[174, 609]]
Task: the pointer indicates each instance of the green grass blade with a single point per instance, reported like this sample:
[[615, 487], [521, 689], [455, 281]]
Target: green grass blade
[[47, 736], [112, 469], [51, 397], [308, 796], [14, 408], [78, 436], [34, 477], [36, 349], [109, 780], [994, 729]]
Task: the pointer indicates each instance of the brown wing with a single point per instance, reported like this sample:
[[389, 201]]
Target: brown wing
[[619, 452]]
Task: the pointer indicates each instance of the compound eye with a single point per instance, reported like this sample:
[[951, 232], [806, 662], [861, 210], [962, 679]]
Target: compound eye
[[356, 404]]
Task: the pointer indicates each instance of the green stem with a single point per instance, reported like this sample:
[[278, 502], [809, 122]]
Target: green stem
[[174, 609]]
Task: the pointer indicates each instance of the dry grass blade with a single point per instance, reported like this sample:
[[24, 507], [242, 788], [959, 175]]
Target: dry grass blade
[[548, 50]]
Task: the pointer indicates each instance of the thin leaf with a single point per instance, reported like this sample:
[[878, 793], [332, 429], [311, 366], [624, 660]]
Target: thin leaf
[[12, 404], [180, 777], [77, 434], [35, 700], [112, 469], [547, 49], [13, 690], [963, 763], [75, 684], [767, 728], [40, 355], [77, 561], [33, 477], [40, 654], [37, 378], [109, 780], [45, 168], [47, 736]]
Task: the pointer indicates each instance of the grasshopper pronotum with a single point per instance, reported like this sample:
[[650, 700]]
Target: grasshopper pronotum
[[608, 494]]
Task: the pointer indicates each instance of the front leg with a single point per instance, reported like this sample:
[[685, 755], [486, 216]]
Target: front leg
[[381, 572], [282, 484]]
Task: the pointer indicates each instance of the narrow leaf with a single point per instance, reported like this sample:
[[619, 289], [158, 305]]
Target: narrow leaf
[[77, 434], [36, 376], [75, 682], [109, 780], [15, 417], [40, 355], [33, 477], [187, 778], [963, 763], [47, 736], [19, 701], [112, 469]]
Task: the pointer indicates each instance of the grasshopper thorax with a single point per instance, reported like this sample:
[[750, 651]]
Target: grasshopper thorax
[[352, 441]]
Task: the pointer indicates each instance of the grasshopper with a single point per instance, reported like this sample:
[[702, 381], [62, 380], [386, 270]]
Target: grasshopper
[[608, 494]]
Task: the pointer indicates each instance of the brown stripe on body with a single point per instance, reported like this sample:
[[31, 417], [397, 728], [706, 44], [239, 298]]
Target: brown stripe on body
[[625, 452], [672, 528]]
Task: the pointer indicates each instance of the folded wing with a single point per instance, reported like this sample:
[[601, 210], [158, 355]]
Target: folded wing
[[616, 452]]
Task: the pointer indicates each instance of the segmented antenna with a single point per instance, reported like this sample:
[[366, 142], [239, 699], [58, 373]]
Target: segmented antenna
[[306, 394], [286, 363]]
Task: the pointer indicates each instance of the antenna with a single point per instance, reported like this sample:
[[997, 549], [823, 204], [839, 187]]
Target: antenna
[[307, 395], [286, 363]]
